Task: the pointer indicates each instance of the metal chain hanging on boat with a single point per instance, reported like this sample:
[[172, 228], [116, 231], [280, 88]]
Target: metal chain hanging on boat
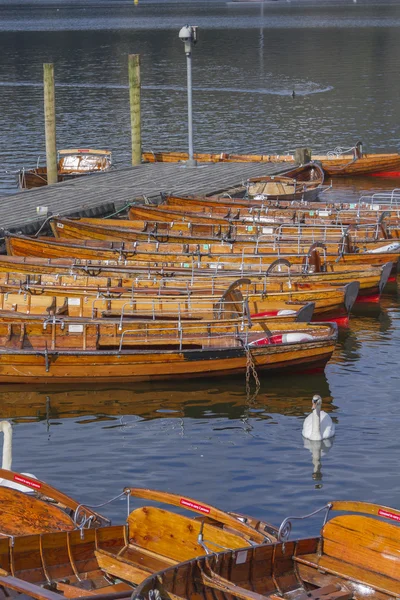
[[251, 371]]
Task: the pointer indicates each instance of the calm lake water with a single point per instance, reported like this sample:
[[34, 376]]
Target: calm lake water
[[203, 438]]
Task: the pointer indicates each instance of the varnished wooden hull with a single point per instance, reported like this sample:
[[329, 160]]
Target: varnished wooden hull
[[234, 258], [131, 369], [298, 211], [32, 353], [332, 166], [266, 217], [239, 234], [355, 558], [87, 302]]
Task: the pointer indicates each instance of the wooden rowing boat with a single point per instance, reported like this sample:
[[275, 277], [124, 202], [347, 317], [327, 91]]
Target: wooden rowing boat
[[218, 257], [217, 204], [47, 510], [107, 275], [150, 215], [72, 163], [355, 557], [190, 233], [334, 166], [302, 183], [30, 279], [82, 562], [237, 302], [234, 303], [96, 351]]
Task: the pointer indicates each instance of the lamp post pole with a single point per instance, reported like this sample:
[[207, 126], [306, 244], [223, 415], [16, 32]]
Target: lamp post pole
[[188, 35]]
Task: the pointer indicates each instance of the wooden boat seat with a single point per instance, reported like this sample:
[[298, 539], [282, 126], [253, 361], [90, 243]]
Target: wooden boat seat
[[73, 591], [158, 539], [362, 549], [271, 188], [175, 536]]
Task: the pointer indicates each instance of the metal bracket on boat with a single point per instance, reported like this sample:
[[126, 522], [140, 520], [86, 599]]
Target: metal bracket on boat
[[53, 321], [286, 525]]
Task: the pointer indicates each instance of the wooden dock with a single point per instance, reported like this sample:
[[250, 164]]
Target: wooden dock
[[104, 194]]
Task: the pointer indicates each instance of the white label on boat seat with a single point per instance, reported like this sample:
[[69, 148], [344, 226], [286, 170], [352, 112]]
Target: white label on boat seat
[[268, 230], [241, 557], [60, 226], [324, 213], [74, 301], [215, 266], [75, 328]]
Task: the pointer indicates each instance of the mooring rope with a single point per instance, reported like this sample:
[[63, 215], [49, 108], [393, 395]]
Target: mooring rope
[[251, 371], [120, 210]]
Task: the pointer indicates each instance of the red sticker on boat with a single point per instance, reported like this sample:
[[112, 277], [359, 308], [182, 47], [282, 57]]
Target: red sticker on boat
[[194, 506], [29, 482], [388, 515]]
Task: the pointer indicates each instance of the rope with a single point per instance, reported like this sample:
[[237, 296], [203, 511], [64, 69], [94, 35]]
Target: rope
[[43, 224], [251, 371], [82, 521], [120, 210]]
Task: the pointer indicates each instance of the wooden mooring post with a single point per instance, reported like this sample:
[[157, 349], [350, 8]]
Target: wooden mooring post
[[302, 156], [50, 122], [134, 97]]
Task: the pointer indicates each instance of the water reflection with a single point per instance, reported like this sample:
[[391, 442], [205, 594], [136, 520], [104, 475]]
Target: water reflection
[[318, 449], [191, 399]]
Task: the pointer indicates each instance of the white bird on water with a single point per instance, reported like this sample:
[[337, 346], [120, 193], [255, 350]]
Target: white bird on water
[[6, 428], [318, 425]]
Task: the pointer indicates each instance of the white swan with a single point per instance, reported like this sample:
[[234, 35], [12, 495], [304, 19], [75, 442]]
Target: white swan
[[318, 425], [6, 428]]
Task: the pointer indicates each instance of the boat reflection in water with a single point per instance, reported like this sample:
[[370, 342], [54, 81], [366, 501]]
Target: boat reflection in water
[[190, 399]]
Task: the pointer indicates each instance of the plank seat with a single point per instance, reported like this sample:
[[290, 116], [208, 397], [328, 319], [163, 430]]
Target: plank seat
[[118, 567], [327, 592], [361, 549]]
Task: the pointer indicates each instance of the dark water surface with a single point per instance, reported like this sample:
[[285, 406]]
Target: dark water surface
[[203, 438]]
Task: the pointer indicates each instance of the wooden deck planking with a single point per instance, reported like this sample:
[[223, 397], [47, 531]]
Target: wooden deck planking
[[105, 193]]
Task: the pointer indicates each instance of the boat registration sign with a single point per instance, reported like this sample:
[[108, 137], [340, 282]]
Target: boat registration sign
[[28, 482], [388, 514], [194, 506]]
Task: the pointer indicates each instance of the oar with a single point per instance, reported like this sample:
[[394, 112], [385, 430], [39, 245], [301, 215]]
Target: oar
[[202, 508]]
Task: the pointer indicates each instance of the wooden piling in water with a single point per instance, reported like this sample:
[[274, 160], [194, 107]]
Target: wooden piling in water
[[302, 156], [50, 122], [134, 97]]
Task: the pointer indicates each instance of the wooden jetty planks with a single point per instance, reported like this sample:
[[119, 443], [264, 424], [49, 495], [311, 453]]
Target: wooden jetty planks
[[104, 193]]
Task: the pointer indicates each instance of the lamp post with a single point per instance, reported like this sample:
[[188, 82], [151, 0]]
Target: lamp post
[[188, 35]]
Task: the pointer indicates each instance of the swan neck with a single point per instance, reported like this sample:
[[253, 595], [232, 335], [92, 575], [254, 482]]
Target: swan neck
[[316, 424], [7, 446]]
